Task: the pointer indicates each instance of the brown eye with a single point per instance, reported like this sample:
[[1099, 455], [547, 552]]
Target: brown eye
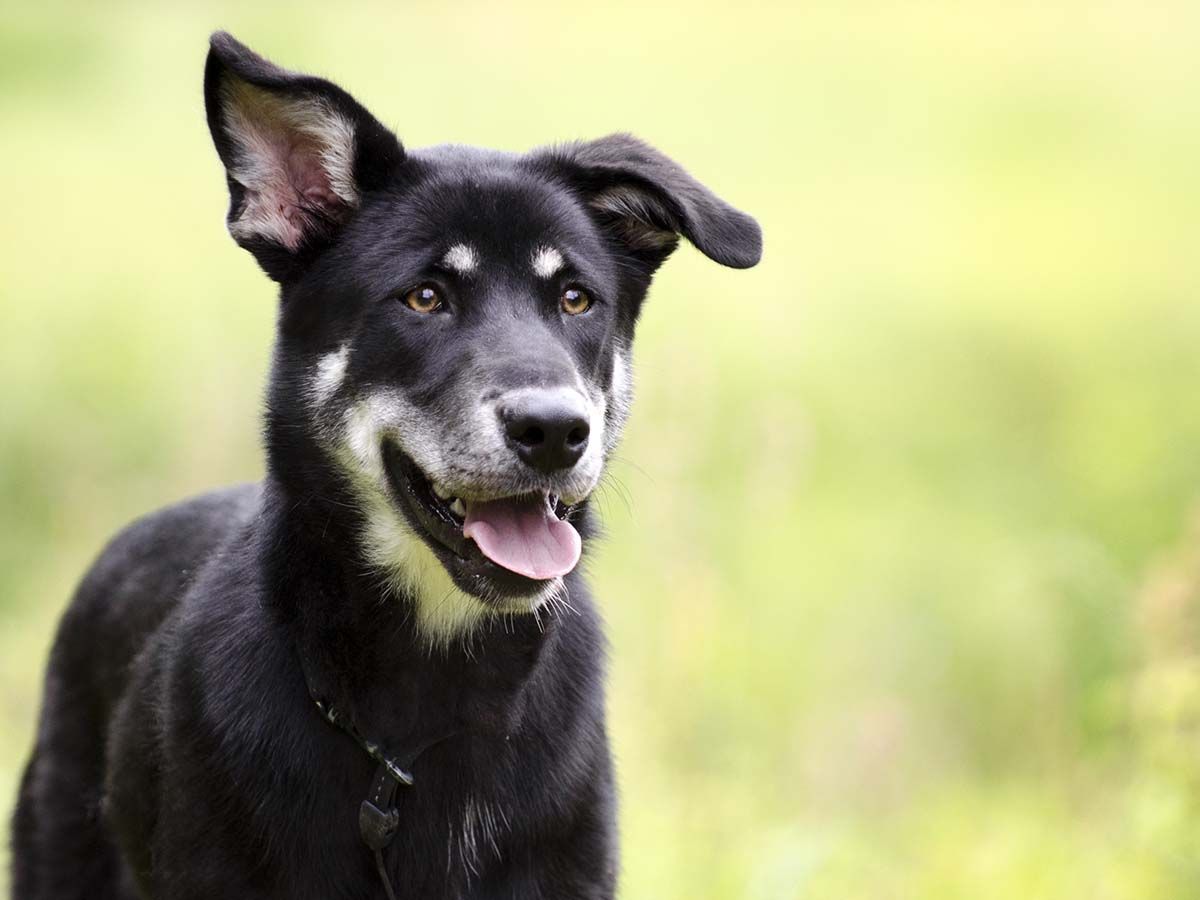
[[574, 301], [423, 299]]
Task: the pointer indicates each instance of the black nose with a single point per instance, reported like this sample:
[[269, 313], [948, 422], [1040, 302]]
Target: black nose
[[548, 430]]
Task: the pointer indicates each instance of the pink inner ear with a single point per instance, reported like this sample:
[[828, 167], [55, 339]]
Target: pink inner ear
[[309, 180], [294, 163]]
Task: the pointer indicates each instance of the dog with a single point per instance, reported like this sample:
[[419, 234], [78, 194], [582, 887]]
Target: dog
[[379, 671]]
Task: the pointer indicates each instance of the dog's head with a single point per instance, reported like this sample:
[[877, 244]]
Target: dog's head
[[455, 329]]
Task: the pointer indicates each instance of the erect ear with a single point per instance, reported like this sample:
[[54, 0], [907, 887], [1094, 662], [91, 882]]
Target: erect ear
[[299, 153], [647, 200]]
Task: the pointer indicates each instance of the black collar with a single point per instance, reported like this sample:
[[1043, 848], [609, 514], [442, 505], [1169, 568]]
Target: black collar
[[378, 816]]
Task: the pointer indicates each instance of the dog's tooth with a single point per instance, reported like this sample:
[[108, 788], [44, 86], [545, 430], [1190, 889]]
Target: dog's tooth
[[458, 507], [442, 492]]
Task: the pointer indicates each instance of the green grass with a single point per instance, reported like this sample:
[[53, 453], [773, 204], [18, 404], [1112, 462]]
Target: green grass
[[901, 590]]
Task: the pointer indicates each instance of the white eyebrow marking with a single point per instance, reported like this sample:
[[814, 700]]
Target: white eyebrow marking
[[547, 261], [462, 258]]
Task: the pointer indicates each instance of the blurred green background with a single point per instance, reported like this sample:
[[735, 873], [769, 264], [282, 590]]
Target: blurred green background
[[903, 594]]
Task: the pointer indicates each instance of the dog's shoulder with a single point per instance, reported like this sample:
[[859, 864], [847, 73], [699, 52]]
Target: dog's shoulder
[[156, 555], [139, 577]]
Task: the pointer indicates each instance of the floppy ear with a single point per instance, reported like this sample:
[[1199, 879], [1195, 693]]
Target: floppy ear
[[299, 153], [647, 200]]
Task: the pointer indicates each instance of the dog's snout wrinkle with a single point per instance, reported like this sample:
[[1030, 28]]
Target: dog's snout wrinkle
[[548, 430]]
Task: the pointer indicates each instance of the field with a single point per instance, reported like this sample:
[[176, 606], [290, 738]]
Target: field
[[903, 559]]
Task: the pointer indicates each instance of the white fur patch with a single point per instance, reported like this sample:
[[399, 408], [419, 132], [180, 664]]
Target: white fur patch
[[462, 258], [547, 261], [293, 153], [482, 827], [330, 372], [622, 395], [403, 560]]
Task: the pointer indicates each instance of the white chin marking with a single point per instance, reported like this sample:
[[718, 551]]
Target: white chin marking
[[547, 261], [442, 611], [461, 258]]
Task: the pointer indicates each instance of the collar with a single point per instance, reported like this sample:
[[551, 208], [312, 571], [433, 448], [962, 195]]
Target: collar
[[378, 817]]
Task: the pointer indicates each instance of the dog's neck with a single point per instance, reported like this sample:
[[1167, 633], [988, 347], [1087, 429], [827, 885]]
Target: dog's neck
[[364, 651]]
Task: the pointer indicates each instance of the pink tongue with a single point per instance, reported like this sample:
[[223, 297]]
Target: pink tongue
[[524, 536]]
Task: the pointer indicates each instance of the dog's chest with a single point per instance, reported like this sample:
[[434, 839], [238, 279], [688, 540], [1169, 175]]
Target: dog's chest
[[478, 837], [458, 828], [479, 762]]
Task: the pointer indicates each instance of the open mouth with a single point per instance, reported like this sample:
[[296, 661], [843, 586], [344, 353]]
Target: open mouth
[[517, 543]]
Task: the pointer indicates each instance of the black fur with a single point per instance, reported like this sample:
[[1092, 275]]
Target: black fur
[[179, 754]]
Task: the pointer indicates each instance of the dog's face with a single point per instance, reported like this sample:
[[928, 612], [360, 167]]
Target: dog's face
[[456, 324], [479, 372]]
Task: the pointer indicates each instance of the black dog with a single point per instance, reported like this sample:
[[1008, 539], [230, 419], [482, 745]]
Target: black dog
[[247, 685]]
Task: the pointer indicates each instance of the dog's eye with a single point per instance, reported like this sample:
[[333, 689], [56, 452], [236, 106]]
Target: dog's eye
[[575, 301], [424, 299]]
